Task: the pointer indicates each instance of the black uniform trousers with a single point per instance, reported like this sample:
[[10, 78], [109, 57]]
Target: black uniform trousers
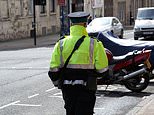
[[78, 100]]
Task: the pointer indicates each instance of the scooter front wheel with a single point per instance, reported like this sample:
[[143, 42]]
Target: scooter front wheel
[[138, 83]]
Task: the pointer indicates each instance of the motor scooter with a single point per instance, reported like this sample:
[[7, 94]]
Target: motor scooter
[[131, 70]]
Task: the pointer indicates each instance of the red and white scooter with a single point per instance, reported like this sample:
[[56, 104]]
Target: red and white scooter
[[132, 70]]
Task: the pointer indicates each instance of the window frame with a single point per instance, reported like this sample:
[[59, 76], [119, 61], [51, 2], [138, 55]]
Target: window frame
[[52, 6]]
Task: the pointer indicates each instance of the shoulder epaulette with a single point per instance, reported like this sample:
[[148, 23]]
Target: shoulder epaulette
[[61, 37], [94, 38]]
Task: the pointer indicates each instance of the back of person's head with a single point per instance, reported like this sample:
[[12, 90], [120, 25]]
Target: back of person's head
[[78, 18]]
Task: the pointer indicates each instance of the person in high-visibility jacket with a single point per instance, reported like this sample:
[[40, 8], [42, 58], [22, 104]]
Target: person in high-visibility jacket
[[79, 84]]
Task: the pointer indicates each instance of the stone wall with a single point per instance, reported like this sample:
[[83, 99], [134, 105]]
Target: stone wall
[[16, 20]]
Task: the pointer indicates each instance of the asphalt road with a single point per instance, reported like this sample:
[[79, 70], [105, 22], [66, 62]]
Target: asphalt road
[[25, 88], [129, 34]]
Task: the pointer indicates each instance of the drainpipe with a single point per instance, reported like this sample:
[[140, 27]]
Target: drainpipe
[[34, 21], [62, 20]]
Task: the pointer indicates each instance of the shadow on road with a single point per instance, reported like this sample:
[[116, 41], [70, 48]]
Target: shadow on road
[[151, 84], [121, 93], [146, 39]]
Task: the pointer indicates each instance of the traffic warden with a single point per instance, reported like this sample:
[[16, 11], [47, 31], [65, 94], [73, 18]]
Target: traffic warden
[[89, 60]]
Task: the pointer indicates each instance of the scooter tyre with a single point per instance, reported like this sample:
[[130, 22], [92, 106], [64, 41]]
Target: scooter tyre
[[133, 87]]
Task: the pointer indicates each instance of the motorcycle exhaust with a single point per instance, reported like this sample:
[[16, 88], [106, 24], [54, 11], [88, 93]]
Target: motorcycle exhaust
[[131, 75]]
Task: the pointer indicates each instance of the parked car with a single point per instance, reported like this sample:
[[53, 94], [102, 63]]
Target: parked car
[[144, 23], [102, 24]]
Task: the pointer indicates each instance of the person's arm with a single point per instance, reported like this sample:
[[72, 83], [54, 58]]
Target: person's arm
[[55, 64], [101, 60]]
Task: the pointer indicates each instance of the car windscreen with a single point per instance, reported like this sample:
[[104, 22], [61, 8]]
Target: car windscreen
[[100, 22], [145, 14]]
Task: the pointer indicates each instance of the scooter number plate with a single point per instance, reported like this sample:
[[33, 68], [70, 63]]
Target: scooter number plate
[[148, 64]]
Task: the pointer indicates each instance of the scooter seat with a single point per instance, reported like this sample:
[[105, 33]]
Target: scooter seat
[[125, 57]]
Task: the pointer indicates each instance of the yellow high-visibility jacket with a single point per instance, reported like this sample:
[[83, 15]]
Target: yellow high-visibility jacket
[[90, 55]]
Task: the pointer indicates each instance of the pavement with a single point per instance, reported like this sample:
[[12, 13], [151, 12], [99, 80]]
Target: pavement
[[42, 41], [145, 107]]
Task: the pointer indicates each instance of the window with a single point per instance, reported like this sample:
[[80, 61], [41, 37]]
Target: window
[[4, 10], [145, 14], [78, 5], [121, 11], [52, 5], [19, 8], [30, 11], [42, 9], [152, 3]]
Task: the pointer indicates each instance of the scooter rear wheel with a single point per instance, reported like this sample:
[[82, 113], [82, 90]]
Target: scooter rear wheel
[[138, 83]]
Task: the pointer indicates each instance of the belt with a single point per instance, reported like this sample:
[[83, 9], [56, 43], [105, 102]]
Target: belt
[[75, 82]]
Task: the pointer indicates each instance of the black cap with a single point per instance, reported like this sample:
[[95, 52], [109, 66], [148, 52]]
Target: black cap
[[78, 17]]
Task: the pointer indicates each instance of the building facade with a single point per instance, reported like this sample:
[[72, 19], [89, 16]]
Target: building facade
[[135, 4], [16, 18], [125, 10], [94, 7]]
